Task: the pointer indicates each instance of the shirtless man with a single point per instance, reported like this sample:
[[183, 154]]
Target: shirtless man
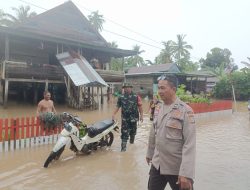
[[46, 105]]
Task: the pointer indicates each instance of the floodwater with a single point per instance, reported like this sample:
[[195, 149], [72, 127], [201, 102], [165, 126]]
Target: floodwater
[[223, 157]]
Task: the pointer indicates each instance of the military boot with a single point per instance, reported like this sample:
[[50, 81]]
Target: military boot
[[123, 146], [132, 139]]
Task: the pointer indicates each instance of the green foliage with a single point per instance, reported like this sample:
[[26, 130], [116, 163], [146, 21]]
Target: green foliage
[[96, 20], [185, 65], [216, 58], [189, 98], [50, 120], [246, 69], [166, 54], [223, 89], [134, 61], [116, 64], [177, 52], [113, 44], [181, 48], [240, 82], [22, 13]]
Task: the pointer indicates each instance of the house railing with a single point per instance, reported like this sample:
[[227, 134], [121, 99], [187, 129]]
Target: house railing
[[25, 132], [22, 70]]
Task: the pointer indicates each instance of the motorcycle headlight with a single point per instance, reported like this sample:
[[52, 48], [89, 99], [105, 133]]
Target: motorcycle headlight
[[67, 127]]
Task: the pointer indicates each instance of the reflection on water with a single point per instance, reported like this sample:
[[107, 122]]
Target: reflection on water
[[223, 152], [89, 116]]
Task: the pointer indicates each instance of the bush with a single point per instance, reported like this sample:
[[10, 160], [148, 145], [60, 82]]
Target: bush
[[187, 97], [240, 82]]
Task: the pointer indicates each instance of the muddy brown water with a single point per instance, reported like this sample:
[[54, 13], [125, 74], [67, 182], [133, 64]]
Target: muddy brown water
[[223, 157]]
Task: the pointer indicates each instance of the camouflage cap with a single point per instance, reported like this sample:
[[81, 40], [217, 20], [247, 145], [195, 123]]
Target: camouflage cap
[[125, 85]]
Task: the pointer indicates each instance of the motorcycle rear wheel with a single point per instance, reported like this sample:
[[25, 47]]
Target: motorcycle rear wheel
[[53, 156]]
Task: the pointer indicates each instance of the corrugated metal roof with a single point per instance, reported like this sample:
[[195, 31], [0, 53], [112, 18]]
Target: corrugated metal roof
[[169, 67], [79, 70], [154, 68]]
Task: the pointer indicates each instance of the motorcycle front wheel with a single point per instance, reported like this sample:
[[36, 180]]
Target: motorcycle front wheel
[[53, 156], [109, 138]]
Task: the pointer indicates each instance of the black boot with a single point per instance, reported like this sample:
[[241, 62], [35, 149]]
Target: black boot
[[123, 146], [132, 139]]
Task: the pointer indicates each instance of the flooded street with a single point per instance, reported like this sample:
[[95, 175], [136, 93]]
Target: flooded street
[[223, 157]]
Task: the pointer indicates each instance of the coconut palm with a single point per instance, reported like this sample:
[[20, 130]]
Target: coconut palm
[[96, 20], [180, 48], [113, 44], [247, 63], [137, 59], [21, 14], [166, 53]]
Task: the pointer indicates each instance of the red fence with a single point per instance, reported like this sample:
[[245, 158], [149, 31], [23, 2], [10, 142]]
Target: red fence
[[25, 132], [214, 106]]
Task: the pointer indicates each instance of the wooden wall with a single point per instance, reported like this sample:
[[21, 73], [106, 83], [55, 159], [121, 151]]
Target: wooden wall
[[142, 85]]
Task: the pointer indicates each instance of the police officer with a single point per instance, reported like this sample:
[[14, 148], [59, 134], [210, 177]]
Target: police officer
[[131, 111], [172, 141]]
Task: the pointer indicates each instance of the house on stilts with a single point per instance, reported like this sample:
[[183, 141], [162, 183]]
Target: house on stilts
[[33, 56]]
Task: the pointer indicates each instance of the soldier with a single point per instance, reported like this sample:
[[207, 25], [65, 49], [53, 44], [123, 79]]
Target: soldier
[[172, 141], [131, 106]]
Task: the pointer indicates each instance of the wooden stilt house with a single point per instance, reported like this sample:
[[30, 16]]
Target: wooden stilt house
[[29, 50]]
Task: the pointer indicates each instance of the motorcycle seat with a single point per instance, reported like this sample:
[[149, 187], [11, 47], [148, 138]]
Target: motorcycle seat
[[99, 127]]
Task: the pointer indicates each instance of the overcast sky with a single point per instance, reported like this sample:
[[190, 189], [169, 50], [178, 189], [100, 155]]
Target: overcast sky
[[206, 23]]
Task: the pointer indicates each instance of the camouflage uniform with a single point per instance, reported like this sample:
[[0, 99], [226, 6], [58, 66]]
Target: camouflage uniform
[[129, 114]]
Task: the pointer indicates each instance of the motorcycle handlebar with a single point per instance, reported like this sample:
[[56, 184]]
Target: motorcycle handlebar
[[71, 118]]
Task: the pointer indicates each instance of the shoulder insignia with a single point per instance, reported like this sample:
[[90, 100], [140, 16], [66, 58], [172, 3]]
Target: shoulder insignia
[[175, 106], [191, 117]]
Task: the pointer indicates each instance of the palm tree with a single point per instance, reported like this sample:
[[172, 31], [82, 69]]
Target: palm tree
[[22, 13], [134, 61], [96, 20], [138, 60], [113, 44], [247, 63], [166, 53], [180, 48]]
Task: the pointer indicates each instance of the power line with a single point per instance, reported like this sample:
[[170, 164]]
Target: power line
[[32, 4], [114, 33], [144, 36], [132, 39]]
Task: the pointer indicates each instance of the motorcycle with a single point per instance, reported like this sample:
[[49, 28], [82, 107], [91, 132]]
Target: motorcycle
[[82, 138]]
